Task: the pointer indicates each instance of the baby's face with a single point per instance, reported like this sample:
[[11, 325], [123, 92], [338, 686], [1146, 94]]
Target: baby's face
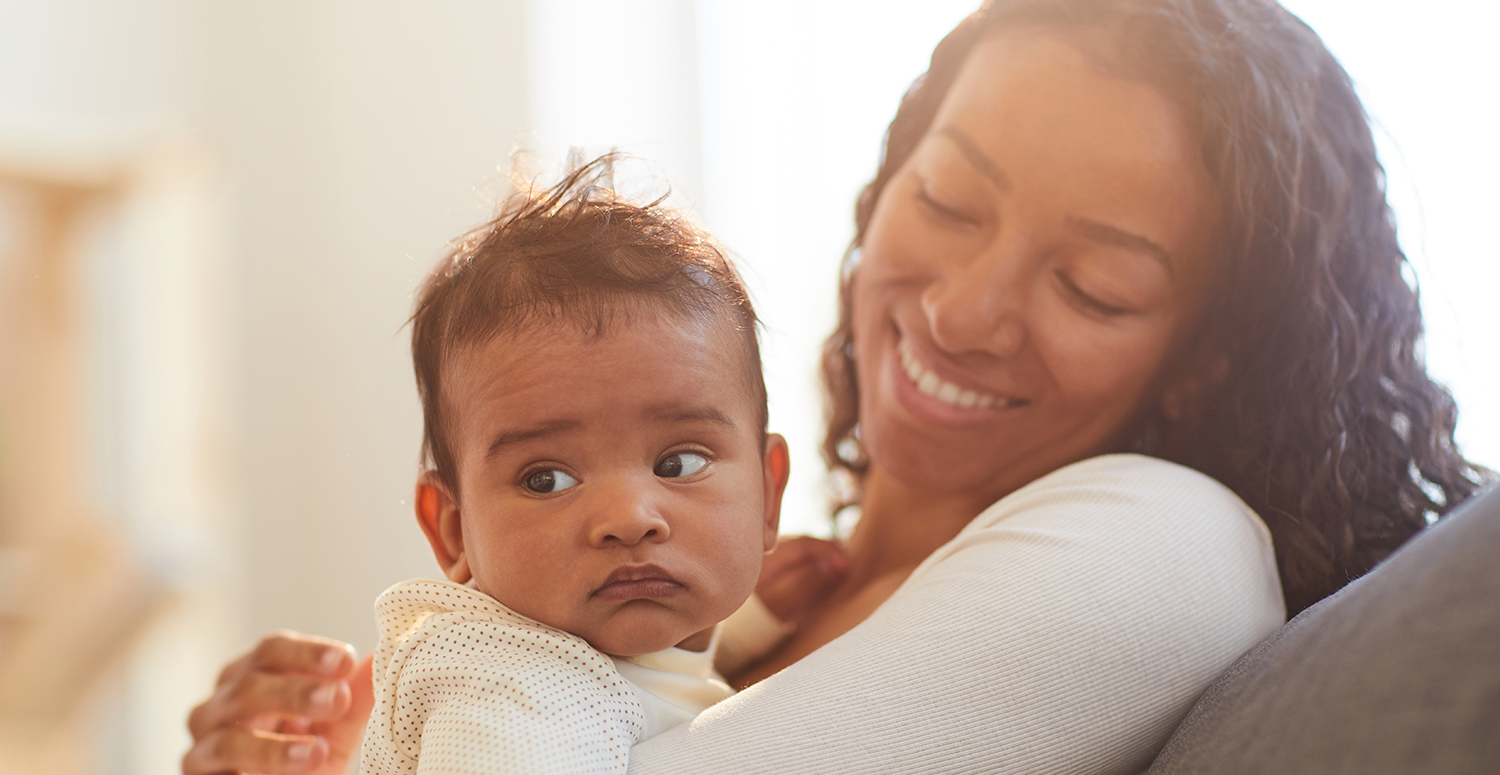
[[612, 486]]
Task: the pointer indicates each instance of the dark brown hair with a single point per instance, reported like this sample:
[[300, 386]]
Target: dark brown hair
[[1326, 422], [578, 252]]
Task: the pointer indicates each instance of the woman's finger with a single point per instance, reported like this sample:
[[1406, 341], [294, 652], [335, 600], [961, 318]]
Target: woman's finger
[[343, 733], [291, 652], [285, 651], [827, 556], [258, 695], [230, 750]]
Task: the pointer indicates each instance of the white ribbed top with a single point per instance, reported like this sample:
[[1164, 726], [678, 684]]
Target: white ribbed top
[[1067, 629]]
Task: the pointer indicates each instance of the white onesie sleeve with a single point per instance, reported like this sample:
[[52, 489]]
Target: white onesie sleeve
[[1067, 629], [476, 688]]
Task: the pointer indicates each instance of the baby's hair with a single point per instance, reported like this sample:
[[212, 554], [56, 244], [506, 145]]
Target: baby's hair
[[580, 253]]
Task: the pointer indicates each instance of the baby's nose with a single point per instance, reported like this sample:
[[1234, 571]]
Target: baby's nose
[[628, 522]]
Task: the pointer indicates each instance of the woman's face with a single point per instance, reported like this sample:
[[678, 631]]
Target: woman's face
[[1029, 272]]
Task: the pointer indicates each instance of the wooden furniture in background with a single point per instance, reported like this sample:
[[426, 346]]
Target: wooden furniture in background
[[73, 595]]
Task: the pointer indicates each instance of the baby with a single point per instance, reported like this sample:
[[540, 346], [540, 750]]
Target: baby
[[599, 488]]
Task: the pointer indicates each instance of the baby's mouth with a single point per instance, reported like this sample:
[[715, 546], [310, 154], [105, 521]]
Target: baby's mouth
[[633, 582], [930, 384]]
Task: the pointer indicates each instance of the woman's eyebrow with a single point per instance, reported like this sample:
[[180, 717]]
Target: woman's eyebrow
[[1109, 235], [983, 164], [1083, 227]]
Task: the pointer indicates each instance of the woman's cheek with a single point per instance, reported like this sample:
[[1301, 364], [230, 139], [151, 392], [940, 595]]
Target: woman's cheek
[[901, 242], [1105, 358]]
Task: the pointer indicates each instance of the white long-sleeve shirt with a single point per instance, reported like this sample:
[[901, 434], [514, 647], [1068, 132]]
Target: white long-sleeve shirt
[[1067, 629]]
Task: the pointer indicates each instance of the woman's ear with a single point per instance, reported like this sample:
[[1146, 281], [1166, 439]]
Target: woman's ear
[[1182, 396], [438, 514], [778, 467]]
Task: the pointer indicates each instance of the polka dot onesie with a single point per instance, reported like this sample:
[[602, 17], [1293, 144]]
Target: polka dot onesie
[[465, 685]]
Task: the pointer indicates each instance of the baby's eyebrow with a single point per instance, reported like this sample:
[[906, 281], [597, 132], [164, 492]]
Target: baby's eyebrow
[[694, 414], [510, 438]]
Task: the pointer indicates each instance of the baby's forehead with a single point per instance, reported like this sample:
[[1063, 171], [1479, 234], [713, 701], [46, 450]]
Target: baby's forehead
[[572, 353], [600, 330]]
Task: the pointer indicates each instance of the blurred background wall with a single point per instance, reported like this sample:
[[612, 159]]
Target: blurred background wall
[[213, 214]]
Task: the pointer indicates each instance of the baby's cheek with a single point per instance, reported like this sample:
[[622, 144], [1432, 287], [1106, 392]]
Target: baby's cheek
[[740, 577], [528, 585]]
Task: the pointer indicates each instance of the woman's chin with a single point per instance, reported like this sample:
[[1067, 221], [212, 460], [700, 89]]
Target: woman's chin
[[932, 469]]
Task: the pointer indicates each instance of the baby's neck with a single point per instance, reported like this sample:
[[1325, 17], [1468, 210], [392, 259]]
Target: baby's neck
[[698, 641]]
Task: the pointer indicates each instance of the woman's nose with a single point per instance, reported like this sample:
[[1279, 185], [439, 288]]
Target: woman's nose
[[978, 304], [628, 518]]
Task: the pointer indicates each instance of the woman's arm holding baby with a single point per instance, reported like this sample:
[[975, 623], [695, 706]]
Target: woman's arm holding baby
[[1068, 629], [293, 704]]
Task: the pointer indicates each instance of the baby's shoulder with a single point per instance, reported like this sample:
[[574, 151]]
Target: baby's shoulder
[[445, 637], [460, 676], [439, 620], [477, 639]]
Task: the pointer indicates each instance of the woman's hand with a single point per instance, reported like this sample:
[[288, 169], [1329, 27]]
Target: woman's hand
[[798, 575], [294, 704]]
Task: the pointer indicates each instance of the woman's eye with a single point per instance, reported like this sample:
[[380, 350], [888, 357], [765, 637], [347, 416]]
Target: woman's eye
[[680, 464], [943, 211], [1108, 310], [550, 480]]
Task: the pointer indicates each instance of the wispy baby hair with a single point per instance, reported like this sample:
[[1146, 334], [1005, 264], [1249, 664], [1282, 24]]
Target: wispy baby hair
[[577, 252]]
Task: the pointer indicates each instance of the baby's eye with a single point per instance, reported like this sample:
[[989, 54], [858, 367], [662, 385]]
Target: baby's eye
[[680, 464], [550, 480]]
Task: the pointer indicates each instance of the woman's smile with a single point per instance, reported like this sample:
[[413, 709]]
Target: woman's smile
[[926, 381]]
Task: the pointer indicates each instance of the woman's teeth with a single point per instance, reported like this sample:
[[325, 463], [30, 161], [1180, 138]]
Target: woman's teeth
[[932, 385]]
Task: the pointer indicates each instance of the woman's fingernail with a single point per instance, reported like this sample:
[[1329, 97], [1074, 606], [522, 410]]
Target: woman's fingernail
[[332, 658], [300, 752], [323, 696]]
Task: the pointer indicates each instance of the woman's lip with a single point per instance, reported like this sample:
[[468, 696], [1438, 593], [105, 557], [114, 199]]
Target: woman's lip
[[633, 582]]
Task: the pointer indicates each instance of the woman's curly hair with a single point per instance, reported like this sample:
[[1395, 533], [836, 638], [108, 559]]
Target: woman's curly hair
[[1325, 422]]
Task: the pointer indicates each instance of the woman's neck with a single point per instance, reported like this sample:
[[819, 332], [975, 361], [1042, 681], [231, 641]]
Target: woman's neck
[[899, 527]]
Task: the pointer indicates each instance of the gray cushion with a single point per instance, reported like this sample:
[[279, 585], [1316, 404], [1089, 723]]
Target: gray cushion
[[1397, 673]]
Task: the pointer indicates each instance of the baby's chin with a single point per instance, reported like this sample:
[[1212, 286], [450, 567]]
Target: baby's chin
[[633, 640]]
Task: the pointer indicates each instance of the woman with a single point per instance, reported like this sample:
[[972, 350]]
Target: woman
[[1100, 227]]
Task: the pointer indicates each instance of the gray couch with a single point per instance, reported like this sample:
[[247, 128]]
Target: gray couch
[[1397, 673]]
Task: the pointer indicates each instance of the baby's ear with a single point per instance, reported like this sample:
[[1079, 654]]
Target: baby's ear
[[778, 466], [438, 514]]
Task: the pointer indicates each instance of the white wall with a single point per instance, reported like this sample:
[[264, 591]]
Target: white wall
[[356, 134], [1427, 75], [346, 141]]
